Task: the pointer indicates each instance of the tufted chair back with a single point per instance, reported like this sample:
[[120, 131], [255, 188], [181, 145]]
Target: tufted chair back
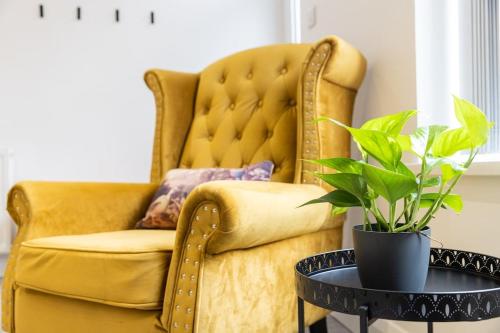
[[257, 105]]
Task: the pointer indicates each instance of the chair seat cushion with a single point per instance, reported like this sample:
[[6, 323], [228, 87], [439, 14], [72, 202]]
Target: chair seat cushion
[[122, 268]]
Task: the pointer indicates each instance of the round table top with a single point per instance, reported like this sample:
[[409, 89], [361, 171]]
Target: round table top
[[460, 286]]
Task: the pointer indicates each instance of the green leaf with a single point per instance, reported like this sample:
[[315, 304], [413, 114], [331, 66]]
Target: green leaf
[[383, 148], [427, 203], [404, 170], [377, 144], [423, 138], [341, 164], [391, 124], [404, 142], [431, 182], [473, 120], [454, 201], [451, 141], [339, 198], [391, 185], [349, 182], [434, 162], [449, 171], [339, 210], [473, 134], [371, 194]]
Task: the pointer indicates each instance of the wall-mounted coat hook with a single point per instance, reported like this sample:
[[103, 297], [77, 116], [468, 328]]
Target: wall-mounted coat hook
[[152, 17], [117, 15], [78, 13], [41, 11]]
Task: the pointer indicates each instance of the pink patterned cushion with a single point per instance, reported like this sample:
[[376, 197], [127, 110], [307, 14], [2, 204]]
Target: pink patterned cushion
[[164, 210]]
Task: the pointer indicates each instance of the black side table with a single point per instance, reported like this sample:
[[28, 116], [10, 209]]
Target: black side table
[[461, 286]]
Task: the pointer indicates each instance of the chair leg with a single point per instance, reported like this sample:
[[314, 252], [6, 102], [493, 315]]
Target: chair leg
[[319, 326]]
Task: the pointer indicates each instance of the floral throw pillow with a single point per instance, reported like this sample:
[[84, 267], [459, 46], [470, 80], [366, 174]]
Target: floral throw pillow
[[164, 210]]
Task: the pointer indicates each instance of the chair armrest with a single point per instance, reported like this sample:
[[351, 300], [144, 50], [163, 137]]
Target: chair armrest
[[43, 209], [253, 213], [224, 216], [57, 208]]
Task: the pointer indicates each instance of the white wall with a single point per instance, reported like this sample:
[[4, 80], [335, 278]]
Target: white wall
[[384, 30], [73, 105]]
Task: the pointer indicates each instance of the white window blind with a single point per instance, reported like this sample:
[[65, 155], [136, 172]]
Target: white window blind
[[484, 83]]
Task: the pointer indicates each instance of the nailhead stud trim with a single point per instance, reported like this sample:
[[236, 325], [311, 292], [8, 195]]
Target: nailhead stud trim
[[311, 147], [204, 223]]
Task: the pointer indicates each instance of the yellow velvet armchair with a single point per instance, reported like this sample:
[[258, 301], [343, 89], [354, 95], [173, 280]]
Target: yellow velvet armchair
[[77, 264]]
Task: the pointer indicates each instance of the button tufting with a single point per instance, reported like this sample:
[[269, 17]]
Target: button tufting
[[292, 102], [269, 134], [249, 75], [259, 103], [283, 71], [222, 79], [231, 106], [210, 137], [238, 136]]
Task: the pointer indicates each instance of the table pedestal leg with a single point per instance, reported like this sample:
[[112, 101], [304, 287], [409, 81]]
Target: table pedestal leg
[[430, 328], [363, 319], [300, 309]]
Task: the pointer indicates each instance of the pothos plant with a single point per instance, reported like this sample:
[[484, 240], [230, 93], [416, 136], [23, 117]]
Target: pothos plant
[[413, 198]]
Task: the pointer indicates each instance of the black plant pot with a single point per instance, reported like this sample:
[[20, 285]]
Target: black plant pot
[[392, 261]]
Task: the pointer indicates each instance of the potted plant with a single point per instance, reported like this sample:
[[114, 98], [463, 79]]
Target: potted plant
[[392, 245]]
